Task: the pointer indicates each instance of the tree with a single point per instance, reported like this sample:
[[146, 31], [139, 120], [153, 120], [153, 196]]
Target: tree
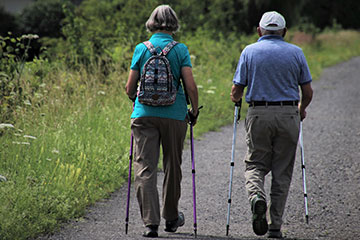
[[43, 17], [8, 22], [323, 13]]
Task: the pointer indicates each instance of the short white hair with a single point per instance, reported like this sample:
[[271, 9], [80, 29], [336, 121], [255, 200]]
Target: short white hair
[[271, 32], [163, 18]]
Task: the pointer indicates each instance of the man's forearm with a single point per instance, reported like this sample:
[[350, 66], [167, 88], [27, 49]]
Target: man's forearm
[[236, 92]]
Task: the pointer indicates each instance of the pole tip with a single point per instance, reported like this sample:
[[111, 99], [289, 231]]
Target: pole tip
[[307, 219], [195, 232], [126, 228], [227, 230]]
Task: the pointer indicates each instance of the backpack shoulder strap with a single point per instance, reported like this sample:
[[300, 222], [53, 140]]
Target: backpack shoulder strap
[[168, 47], [150, 47]]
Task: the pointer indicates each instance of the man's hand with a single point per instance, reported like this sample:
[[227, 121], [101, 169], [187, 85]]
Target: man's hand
[[306, 98], [302, 114]]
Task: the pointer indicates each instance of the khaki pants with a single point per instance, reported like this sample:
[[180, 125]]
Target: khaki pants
[[149, 133], [271, 135]]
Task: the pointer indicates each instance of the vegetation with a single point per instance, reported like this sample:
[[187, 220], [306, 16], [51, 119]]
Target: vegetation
[[64, 120]]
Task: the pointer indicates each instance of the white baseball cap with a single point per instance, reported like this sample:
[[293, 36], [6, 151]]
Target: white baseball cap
[[272, 21]]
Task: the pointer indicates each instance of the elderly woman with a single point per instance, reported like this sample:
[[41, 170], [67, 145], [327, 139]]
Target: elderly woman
[[165, 125]]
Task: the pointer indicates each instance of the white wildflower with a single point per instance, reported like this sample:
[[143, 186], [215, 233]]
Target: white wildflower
[[209, 80], [28, 136], [210, 91], [55, 151], [212, 87], [2, 178], [200, 86], [6, 125], [21, 143], [27, 102], [101, 93], [30, 36]]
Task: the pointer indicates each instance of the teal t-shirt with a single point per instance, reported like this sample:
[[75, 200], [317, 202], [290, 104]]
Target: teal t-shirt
[[178, 57]]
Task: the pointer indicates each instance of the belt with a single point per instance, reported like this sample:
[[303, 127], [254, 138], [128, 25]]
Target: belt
[[282, 103]]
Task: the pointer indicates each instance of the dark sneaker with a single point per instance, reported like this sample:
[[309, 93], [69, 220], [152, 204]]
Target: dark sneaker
[[151, 231], [172, 226], [275, 233], [258, 208]]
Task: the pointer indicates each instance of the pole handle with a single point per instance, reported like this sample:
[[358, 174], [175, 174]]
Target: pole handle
[[238, 106]]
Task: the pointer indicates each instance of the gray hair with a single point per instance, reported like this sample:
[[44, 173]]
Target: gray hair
[[163, 18], [271, 32]]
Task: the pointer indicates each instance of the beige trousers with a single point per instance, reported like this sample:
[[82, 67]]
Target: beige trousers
[[271, 135], [149, 133]]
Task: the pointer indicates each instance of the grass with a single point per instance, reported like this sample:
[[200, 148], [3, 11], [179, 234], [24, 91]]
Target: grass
[[69, 147]]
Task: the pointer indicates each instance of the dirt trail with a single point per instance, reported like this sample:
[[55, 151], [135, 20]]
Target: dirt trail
[[331, 143]]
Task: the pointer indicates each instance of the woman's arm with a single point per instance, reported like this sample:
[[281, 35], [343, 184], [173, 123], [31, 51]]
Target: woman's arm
[[131, 84], [191, 88]]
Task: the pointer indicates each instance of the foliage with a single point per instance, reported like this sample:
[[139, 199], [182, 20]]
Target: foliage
[[8, 22], [95, 28], [13, 53], [322, 13], [63, 155], [43, 17], [329, 48]]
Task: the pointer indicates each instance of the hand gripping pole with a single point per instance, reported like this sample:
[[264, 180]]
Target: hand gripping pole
[[236, 121], [303, 173]]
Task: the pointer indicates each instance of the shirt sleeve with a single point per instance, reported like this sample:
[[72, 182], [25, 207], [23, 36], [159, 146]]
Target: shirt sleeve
[[240, 77], [186, 61], [135, 62], [305, 75]]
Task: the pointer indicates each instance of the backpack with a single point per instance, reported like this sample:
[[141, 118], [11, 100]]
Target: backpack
[[157, 87]]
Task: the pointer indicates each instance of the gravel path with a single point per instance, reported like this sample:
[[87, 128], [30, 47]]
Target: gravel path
[[331, 143]]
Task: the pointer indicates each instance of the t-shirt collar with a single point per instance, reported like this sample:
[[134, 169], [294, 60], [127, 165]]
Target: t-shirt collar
[[161, 35], [276, 37]]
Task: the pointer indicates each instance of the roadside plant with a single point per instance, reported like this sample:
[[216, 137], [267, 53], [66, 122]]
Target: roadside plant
[[13, 55]]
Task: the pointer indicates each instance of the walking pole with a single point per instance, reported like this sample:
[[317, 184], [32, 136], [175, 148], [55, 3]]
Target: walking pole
[[303, 173], [193, 176], [236, 121], [193, 173], [129, 183]]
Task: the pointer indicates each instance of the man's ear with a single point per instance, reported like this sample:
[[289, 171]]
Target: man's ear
[[259, 31], [284, 32]]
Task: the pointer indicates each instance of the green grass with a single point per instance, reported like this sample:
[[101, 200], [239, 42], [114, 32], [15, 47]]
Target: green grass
[[78, 124]]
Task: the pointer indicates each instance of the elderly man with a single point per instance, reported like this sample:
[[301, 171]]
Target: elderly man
[[272, 70]]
